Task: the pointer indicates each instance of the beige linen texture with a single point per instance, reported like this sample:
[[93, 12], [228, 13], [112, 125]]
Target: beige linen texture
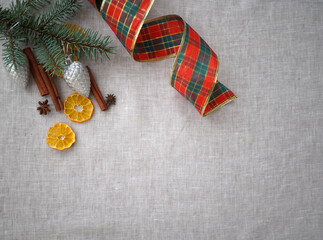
[[151, 167]]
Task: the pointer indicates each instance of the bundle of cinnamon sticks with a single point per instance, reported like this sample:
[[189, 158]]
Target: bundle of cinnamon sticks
[[46, 84], [44, 80]]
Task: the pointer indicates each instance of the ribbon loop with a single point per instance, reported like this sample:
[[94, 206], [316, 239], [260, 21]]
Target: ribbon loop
[[195, 70]]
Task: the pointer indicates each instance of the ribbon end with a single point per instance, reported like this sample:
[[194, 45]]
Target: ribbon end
[[221, 95]]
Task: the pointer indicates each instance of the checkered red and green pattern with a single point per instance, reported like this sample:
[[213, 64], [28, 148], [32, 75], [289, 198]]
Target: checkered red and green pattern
[[194, 73]]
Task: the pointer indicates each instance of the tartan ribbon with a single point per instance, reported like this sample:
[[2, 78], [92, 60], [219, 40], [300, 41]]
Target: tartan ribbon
[[194, 73]]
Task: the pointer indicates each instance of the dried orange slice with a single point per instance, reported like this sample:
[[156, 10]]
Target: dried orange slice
[[60, 136], [78, 108]]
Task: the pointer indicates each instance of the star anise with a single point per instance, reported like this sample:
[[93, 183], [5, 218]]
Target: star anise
[[43, 107], [111, 99]]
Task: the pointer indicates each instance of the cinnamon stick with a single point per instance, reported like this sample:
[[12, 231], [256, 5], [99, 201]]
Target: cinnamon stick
[[49, 87], [55, 91], [96, 92], [35, 72]]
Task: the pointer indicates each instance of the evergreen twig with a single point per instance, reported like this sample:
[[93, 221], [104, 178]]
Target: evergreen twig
[[46, 33]]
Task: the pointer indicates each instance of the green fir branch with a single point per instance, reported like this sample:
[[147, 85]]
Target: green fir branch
[[20, 8], [50, 55], [5, 16], [47, 34], [12, 54], [36, 4], [84, 42], [59, 12]]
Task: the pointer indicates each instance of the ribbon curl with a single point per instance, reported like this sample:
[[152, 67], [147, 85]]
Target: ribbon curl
[[194, 73]]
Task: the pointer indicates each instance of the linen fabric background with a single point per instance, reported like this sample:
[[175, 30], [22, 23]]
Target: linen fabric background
[[151, 167]]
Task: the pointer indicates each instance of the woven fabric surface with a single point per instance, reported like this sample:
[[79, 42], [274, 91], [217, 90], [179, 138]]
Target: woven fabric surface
[[151, 167]]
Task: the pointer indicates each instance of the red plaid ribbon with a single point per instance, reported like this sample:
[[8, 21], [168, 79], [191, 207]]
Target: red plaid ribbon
[[194, 74]]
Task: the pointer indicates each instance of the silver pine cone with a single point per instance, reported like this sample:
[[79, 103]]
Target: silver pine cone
[[77, 78], [21, 76]]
